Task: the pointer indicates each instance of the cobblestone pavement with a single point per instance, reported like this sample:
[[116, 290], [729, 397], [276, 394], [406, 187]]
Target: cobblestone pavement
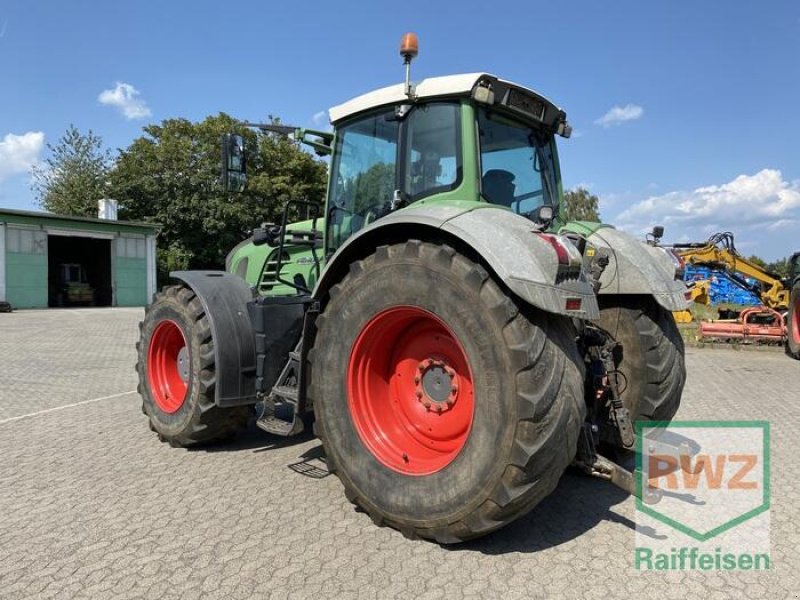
[[93, 506]]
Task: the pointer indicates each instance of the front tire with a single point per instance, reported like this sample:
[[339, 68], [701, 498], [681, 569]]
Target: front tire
[[177, 373], [446, 409], [652, 364]]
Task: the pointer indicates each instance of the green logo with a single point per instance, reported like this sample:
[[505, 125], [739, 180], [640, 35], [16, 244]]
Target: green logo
[[708, 499]]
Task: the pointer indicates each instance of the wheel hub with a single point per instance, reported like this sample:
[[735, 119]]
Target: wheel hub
[[183, 364], [436, 386]]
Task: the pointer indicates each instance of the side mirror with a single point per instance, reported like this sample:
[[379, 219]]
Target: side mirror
[[234, 163], [655, 236], [268, 234]]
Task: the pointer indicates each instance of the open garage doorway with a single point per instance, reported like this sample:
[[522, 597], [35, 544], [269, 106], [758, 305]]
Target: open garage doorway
[[78, 271]]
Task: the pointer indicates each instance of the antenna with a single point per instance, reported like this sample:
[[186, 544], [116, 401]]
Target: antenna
[[409, 48]]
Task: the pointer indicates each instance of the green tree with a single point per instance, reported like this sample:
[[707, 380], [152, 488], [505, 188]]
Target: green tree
[[75, 175], [759, 262], [780, 267], [580, 205], [171, 175]]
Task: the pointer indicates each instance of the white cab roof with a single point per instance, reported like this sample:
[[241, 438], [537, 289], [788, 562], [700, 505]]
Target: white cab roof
[[449, 85]]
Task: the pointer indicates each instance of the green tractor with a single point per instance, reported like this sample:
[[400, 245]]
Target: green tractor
[[456, 343], [793, 316]]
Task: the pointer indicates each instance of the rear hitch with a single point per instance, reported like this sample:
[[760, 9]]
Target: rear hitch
[[596, 465], [605, 390]]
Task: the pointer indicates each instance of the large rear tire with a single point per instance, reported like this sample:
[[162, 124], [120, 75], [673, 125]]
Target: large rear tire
[[177, 374], [652, 362], [793, 323], [446, 408]]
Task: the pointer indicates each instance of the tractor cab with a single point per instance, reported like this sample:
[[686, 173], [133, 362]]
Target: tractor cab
[[466, 141], [466, 138]]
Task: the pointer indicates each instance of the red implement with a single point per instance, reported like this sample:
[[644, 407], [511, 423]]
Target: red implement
[[758, 324]]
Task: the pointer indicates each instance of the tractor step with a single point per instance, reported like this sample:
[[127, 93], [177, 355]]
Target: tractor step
[[286, 392], [280, 419]]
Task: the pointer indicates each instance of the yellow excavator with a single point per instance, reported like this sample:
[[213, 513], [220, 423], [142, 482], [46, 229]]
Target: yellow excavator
[[720, 252]]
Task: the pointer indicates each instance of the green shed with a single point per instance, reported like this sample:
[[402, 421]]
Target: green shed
[[56, 260]]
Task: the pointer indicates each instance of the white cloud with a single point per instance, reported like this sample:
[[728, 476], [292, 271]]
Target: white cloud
[[18, 153], [620, 114], [762, 209], [321, 118], [126, 98]]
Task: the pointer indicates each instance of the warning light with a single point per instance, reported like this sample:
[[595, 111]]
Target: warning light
[[409, 46]]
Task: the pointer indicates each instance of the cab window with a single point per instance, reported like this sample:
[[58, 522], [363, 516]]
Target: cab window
[[516, 164], [362, 176], [432, 150]]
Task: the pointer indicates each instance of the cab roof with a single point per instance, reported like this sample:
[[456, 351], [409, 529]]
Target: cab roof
[[433, 87]]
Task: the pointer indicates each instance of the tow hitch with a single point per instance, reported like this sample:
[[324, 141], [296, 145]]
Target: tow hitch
[[609, 421]]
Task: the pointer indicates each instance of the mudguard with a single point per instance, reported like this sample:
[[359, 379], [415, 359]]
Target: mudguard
[[508, 243], [636, 268], [224, 297]]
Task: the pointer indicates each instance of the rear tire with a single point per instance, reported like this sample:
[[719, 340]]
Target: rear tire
[[793, 323], [652, 362], [177, 374], [515, 375]]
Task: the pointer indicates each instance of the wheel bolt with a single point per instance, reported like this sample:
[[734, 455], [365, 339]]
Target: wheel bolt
[[419, 393], [454, 389], [439, 409], [450, 371], [416, 380]]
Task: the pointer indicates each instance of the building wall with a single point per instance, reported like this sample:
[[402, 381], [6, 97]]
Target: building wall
[[2, 261], [130, 270], [24, 256], [26, 267]]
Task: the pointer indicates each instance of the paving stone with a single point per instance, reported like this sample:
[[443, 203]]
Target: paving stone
[[93, 506]]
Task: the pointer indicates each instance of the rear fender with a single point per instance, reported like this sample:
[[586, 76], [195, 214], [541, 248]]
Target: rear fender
[[637, 268], [507, 242], [225, 297]]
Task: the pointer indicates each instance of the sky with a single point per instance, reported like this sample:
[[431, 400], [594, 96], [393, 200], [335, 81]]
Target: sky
[[685, 114]]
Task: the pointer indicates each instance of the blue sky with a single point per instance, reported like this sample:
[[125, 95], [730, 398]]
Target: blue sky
[[700, 99]]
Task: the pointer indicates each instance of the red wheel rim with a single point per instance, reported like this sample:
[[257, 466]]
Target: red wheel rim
[[167, 366], [796, 320], [410, 391]]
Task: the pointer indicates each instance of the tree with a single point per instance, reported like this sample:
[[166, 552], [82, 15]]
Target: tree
[[171, 175], [759, 262], [75, 175], [780, 267], [580, 205]]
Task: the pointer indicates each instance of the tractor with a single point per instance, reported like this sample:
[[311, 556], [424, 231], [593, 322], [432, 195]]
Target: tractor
[[792, 283], [455, 343]]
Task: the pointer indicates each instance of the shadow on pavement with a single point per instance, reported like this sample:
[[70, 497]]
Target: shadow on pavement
[[576, 506], [256, 440]]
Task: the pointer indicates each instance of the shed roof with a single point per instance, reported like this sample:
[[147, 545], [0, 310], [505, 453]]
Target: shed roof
[[29, 217]]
